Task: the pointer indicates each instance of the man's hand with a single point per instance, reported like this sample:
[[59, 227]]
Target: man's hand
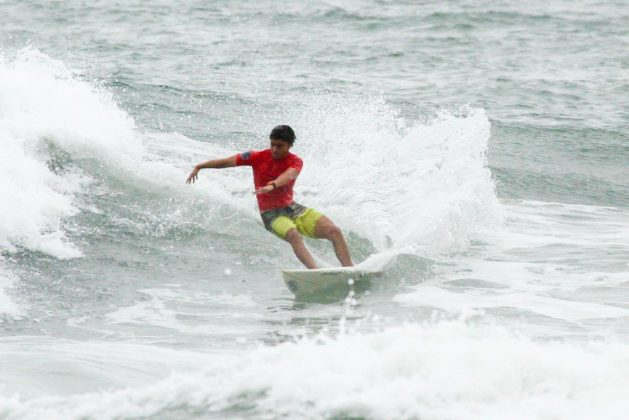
[[193, 176], [266, 189]]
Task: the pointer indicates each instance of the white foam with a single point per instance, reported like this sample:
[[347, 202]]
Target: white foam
[[43, 103], [377, 262], [445, 370]]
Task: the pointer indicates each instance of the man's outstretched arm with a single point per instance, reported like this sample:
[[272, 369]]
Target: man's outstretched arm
[[227, 162]]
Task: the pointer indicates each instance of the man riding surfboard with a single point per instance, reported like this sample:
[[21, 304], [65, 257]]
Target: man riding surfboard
[[275, 171]]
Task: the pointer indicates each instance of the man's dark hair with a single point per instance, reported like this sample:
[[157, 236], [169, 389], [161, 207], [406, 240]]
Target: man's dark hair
[[284, 133]]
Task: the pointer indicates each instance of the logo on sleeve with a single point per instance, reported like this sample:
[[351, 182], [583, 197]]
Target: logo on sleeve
[[245, 155]]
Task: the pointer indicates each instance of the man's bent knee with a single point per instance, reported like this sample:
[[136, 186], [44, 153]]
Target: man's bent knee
[[335, 232], [332, 232]]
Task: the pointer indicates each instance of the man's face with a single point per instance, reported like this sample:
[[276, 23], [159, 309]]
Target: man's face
[[279, 148]]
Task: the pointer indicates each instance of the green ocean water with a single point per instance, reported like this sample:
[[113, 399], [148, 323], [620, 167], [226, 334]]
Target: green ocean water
[[480, 148]]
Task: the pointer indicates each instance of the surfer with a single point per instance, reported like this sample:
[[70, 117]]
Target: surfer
[[275, 171]]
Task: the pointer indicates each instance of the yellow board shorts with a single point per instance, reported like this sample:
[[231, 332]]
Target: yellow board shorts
[[280, 221]]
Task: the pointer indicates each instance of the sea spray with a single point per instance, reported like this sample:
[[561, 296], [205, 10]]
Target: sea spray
[[412, 186]]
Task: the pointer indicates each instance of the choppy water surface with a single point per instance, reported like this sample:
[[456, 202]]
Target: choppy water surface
[[478, 152]]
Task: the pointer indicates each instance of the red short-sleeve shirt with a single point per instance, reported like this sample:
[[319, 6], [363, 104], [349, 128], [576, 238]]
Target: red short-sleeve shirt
[[267, 169]]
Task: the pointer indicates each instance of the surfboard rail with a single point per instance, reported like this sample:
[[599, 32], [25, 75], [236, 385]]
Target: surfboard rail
[[321, 282]]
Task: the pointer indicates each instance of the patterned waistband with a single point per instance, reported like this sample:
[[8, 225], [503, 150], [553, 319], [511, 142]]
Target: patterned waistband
[[293, 211]]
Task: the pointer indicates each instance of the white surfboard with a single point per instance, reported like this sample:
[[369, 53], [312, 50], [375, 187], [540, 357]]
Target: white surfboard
[[331, 282]]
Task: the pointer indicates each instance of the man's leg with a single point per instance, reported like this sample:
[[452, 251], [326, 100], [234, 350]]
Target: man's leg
[[285, 228], [294, 238], [328, 230]]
